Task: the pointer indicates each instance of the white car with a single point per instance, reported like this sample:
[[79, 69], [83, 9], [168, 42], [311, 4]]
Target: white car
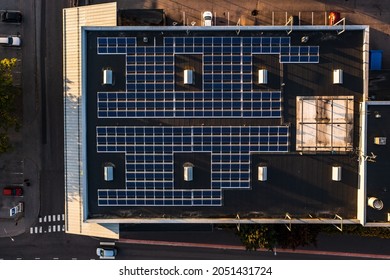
[[207, 18], [106, 253], [10, 41]]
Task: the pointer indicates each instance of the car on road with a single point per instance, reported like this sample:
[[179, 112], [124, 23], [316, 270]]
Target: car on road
[[106, 252], [11, 16], [13, 41], [13, 191], [207, 18]]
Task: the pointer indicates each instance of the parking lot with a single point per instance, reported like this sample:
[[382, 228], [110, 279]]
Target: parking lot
[[12, 163]]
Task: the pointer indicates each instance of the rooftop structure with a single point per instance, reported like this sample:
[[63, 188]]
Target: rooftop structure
[[221, 124]]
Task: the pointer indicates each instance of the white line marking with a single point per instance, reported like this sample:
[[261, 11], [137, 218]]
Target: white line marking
[[54, 218], [63, 227], [59, 228], [36, 229], [54, 228], [31, 230], [63, 217], [40, 219], [49, 218], [40, 229], [44, 219], [58, 217], [49, 229]]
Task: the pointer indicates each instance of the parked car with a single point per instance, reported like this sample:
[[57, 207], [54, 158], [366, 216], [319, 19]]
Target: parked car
[[10, 16], [13, 41], [106, 252], [207, 18], [13, 191]]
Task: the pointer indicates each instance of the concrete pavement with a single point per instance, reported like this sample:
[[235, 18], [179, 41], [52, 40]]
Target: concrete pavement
[[27, 152]]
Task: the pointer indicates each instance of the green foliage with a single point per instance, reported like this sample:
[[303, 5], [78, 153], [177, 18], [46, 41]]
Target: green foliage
[[359, 230], [8, 92], [257, 236], [299, 236]]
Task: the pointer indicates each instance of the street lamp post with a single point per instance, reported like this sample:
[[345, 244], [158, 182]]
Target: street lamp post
[[8, 235]]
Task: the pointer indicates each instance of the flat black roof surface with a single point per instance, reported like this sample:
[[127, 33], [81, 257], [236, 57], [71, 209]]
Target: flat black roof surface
[[378, 170], [148, 123]]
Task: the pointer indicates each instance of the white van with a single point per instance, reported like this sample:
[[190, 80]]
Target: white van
[[10, 41], [207, 18]]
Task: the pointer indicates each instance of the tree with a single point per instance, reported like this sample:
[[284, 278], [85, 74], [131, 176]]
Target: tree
[[299, 236], [8, 92], [257, 236]]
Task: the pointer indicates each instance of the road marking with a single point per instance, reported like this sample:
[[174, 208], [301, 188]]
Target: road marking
[[49, 218], [36, 229], [31, 230], [63, 227], [107, 243], [54, 218], [59, 228], [54, 228], [44, 219], [40, 219], [63, 217], [58, 217], [40, 229], [49, 228]]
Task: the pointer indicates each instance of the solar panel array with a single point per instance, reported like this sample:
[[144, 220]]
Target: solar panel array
[[226, 91], [150, 161]]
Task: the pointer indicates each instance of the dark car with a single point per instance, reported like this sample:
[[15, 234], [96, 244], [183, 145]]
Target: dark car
[[13, 191], [15, 17]]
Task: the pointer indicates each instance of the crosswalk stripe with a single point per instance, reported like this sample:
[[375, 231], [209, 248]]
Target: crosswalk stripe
[[63, 217], [49, 218], [40, 219], [54, 218], [54, 228], [40, 229], [58, 217], [59, 228], [44, 219], [36, 229], [63, 227], [49, 229], [31, 230]]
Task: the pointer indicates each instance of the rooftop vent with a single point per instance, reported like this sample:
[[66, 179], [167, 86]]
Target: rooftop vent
[[337, 76], [188, 171], [188, 77], [262, 173], [336, 173], [263, 76], [107, 77], [375, 203]]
